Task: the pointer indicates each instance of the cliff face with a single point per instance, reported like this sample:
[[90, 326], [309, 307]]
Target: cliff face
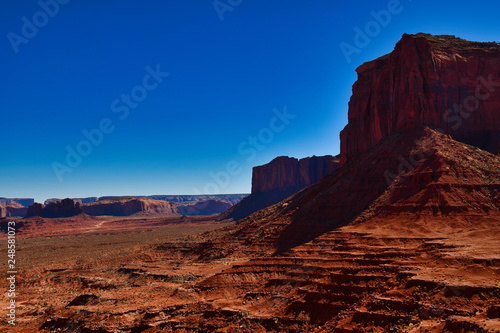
[[63, 208], [279, 179], [438, 81], [126, 207], [290, 174], [35, 209]]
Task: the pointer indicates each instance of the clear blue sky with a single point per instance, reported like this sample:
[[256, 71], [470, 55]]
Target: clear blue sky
[[228, 68]]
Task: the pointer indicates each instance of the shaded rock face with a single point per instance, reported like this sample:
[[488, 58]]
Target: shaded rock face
[[290, 174], [279, 179], [208, 207], [35, 209], [438, 81], [126, 207], [63, 208]]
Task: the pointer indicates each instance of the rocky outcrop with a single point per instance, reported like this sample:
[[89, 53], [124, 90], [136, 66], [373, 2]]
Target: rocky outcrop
[[64, 208], [208, 207], [439, 81], [21, 201], [35, 209], [130, 206], [279, 179]]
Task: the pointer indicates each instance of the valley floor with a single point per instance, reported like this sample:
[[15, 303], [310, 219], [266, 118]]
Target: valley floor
[[152, 275]]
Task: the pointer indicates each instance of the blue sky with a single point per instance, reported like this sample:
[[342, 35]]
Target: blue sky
[[247, 81]]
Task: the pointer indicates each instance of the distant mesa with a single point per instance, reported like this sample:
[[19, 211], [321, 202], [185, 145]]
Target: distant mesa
[[167, 205], [25, 202], [14, 207], [126, 206], [191, 199], [164, 205], [13, 210], [79, 200], [208, 207], [64, 208], [17, 210], [279, 179]]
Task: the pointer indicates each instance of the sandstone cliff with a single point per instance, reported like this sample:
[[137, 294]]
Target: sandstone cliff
[[290, 174], [130, 206], [439, 81], [279, 179], [64, 208]]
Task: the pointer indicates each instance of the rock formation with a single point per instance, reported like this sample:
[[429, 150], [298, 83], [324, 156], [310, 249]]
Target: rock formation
[[64, 208], [80, 200], [130, 206], [22, 201], [35, 209], [16, 210], [279, 179], [12, 210], [288, 174], [208, 207], [397, 163], [438, 81]]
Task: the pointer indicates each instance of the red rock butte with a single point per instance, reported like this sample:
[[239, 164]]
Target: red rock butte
[[442, 82], [279, 179]]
